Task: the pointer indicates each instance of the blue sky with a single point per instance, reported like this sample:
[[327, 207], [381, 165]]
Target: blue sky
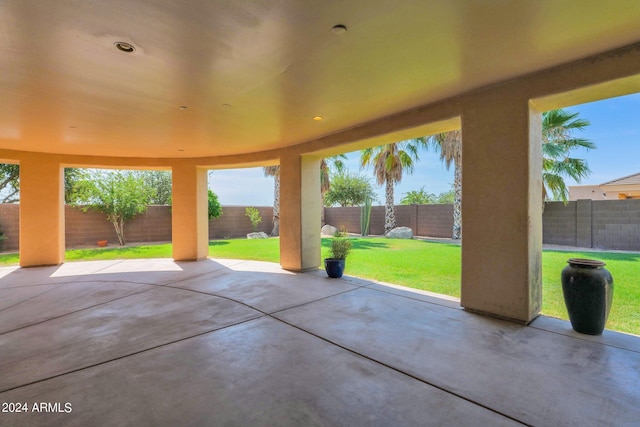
[[615, 129]]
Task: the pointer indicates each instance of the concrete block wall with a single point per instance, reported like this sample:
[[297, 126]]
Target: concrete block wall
[[584, 220], [606, 224], [600, 224], [86, 228], [234, 223], [10, 225], [435, 220], [559, 223], [616, 223], [405, 217], [424, 220], [347, 217], [376, 221]]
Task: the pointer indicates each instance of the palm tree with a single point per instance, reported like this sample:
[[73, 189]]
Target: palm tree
[[450, 146], [557, 143], [274, 171], [389, 162]]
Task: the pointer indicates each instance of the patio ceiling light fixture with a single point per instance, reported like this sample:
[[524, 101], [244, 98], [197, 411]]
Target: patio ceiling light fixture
[[339, 29], [125, 47]]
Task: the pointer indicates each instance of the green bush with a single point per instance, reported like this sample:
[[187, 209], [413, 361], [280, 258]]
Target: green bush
[[254, 216], [214, 208], [2, 239], [340, 246]]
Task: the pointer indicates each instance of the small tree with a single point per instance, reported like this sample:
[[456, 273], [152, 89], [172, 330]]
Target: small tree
[[119, 195], [214, 208], [418, 197], [161, 182], [254, 216], [9, 183], [348, 189], [446, 197]]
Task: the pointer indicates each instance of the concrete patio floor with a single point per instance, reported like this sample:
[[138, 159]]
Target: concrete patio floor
[[243, 343]]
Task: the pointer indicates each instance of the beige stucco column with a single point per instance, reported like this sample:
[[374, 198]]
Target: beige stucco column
[[41, 212], [502, 206], [189, 220], [299, 212]]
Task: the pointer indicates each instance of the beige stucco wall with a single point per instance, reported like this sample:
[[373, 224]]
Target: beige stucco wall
[[604, 192], [582, 192]]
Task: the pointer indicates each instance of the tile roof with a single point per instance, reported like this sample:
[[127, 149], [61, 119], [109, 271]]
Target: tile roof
[[629, 179]]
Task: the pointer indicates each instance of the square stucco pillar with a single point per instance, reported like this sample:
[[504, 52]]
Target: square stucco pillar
[[502, 207], [299, 212], [41, 212], [189, 213]]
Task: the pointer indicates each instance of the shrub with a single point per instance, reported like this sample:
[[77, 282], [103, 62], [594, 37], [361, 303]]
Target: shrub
[[340, 245], [2, 239], [254, 216]]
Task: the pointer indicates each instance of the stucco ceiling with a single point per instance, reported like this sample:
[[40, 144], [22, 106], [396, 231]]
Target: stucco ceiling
[[253, 74]]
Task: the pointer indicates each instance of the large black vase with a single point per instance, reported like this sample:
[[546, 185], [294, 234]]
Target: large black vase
[[588, 291], [334, 267]]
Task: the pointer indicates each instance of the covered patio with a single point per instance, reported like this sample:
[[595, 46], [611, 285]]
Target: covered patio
[[229, 342], [201, 85]]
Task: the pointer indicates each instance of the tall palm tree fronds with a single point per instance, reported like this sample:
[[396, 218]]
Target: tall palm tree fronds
[[389, 163], [325, 181], [450, 146], [557, 143], [274, 171]]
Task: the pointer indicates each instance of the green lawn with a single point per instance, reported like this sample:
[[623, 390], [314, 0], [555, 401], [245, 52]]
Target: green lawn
[[417, 264], [116, 252]]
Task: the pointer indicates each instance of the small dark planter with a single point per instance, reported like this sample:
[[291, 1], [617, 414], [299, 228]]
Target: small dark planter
[[334, 267], [588, 292]]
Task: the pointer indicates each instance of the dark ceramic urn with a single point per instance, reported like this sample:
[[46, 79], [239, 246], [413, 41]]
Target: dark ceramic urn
[[588, 291], [334, 267]]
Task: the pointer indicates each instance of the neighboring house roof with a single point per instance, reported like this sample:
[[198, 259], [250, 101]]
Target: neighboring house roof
[[625, 180]]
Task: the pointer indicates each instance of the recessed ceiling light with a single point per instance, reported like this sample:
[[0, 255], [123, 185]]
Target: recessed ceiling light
[[183, 107], [318, 118], [339, 29], [180, 149], [125, 47], [226, 105]]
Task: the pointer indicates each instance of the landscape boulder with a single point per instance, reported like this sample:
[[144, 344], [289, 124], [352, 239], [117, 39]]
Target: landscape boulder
[[400, 233], [257, 235], [328, 230]]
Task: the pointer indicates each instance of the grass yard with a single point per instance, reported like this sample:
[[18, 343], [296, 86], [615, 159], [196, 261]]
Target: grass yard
[[117, 252], [416, 264]]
